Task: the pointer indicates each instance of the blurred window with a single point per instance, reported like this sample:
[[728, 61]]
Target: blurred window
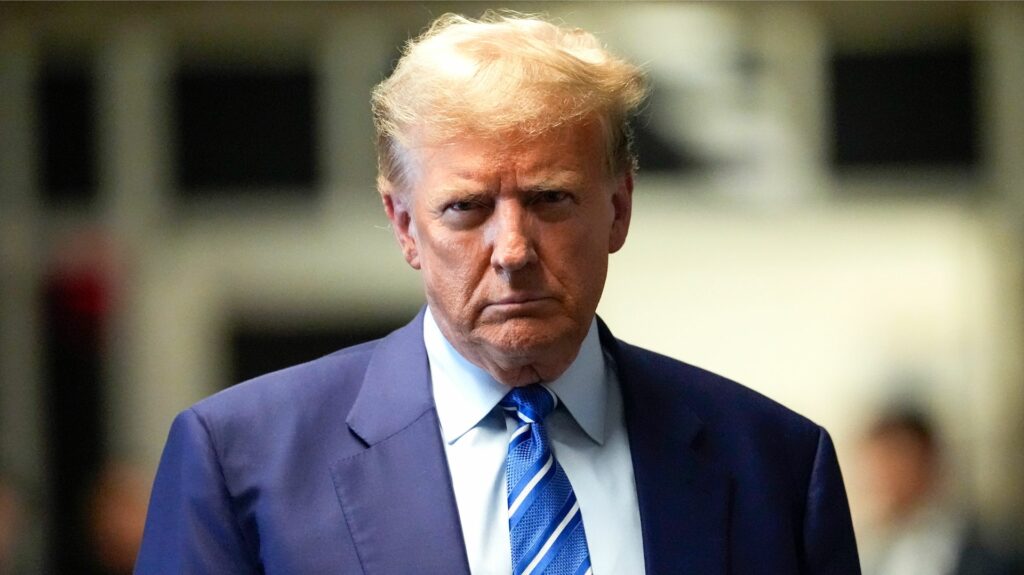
[[658, 154], [905, 108], [244, 130], [66, 132], [260, 349]]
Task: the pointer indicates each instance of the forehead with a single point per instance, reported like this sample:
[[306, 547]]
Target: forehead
[[565, 152]]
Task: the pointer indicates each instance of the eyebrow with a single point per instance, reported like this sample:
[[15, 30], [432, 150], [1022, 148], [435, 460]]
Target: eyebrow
[[438, 203], [466, 192]]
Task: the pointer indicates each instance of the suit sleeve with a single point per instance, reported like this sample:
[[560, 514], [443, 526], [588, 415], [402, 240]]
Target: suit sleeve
[[190, 526], [829, 544]]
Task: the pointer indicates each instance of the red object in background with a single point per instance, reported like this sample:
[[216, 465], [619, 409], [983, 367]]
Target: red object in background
[[80, 287]]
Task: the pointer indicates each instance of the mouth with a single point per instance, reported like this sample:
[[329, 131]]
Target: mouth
[[519, 304], [518, 299]]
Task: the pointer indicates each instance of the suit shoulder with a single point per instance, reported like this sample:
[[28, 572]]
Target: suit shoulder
[[334, 378], [715, 399], [753, 435]]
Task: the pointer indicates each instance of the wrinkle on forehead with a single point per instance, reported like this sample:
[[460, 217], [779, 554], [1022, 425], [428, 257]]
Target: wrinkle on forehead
[[488, 164], [493, 149], [428, 135], [493, 173]]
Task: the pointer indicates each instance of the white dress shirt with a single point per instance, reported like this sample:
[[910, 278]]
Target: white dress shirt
[[927, 543], [587, 435]]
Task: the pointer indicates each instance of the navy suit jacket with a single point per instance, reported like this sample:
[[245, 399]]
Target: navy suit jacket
[[337, 466]]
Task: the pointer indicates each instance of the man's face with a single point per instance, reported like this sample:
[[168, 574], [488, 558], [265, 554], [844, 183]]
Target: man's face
[[513, 243]]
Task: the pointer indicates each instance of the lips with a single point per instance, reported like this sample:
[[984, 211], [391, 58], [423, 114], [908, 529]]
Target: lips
[[519, 304], [519, 299]]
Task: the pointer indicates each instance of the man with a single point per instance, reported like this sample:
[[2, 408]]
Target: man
[[914, 527], [505, 430]]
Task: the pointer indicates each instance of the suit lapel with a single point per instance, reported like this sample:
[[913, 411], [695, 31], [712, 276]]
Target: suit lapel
[[683, 498], [396, 494]]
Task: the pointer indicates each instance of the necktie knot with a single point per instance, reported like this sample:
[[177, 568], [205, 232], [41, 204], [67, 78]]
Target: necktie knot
[[532, 403]]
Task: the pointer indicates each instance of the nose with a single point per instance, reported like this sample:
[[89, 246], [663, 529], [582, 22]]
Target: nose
[[513, 243]]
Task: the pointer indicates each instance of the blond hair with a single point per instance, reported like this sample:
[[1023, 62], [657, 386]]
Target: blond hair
[[504, 75]]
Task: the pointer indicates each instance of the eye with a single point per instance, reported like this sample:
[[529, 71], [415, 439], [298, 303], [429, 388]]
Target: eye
[[465, 203], [550, 197], [463, 206], [465, 212]]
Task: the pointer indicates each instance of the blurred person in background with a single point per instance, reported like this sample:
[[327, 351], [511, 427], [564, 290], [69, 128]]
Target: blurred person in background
[[505, 429], [9, 525], [116, 515], [914, 528]]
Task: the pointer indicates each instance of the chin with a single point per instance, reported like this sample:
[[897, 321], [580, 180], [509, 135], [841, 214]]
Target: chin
[[530, 338]]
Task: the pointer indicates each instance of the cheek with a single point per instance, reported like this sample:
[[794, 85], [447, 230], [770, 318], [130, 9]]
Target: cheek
[[579, 259], [449, 254], [589, 241], [453, 268]]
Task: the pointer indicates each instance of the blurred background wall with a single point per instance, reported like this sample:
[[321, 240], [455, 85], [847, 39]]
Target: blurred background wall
[[830, 209]]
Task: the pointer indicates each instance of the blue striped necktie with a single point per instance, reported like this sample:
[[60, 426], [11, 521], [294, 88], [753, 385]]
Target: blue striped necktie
[[544, 519]]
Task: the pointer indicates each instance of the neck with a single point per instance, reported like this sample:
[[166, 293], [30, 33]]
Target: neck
[[519, 370], [516, 364]]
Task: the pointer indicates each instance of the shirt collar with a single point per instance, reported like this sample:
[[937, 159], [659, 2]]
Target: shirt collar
[[464, 393]]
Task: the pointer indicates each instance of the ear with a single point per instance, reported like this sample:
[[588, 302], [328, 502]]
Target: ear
[[622, 206], [399, 211]]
